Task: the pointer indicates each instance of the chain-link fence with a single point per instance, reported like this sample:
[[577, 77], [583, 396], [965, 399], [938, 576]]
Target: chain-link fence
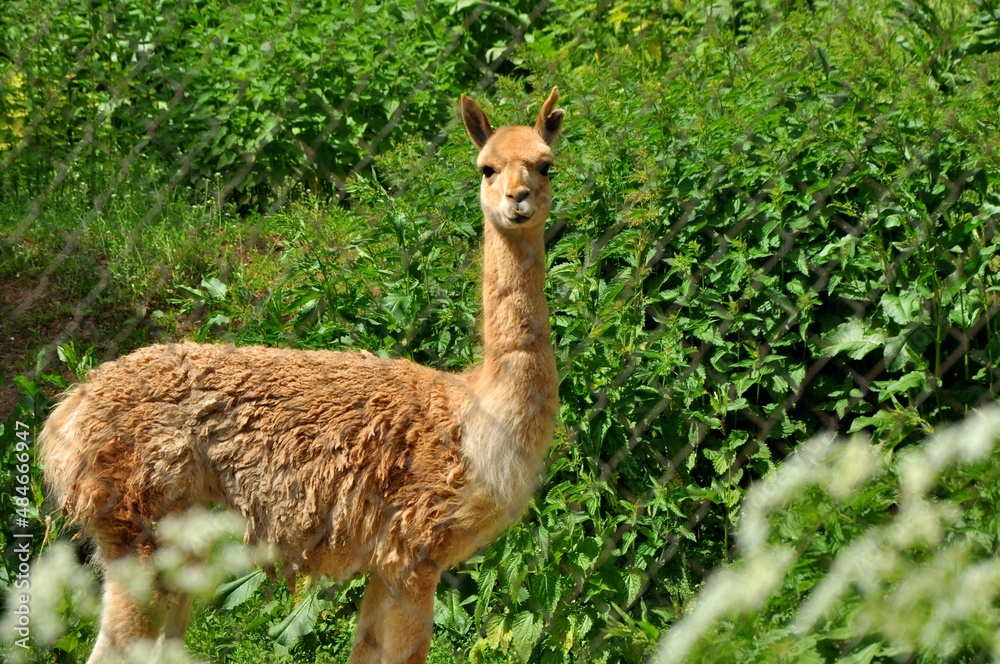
[[771, 220]]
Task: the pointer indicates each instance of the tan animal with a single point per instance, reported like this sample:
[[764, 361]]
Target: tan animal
[[343, 462]]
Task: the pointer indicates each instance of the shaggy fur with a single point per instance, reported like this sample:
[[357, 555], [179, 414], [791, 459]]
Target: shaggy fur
[[345, 462]]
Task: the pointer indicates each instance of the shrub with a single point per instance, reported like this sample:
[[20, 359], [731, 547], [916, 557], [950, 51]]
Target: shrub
[[247, 99], [848, 549], [771, 221]]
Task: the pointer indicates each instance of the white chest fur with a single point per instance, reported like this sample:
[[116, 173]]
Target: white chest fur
[[501, 442]]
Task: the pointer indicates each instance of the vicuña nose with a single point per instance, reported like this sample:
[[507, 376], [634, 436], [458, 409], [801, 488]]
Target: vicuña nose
[[519, 194]]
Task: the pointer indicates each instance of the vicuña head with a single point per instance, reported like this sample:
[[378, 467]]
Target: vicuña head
[[515, 162], [343, 462]]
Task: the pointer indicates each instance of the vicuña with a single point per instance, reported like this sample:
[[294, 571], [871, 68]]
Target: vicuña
[[342, 462]]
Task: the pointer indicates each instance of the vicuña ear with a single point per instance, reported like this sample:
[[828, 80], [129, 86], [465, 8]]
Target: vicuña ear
[[550, 118], [475, 122]]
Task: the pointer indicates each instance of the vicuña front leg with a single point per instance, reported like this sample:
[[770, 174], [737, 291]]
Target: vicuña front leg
[[177, 615], [396, 622], [123, 623]]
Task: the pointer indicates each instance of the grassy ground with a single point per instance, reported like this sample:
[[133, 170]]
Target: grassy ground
[[115, 280]]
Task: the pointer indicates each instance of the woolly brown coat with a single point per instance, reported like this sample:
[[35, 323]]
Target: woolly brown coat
[[345, 462]]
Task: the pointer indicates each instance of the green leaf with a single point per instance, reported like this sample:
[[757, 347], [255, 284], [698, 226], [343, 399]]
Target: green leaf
[[587, 553], [546, 589], [497, 633], [301, 621], [232, 594], [214, 288], [450, 612], [864, 656], [910, 381], [854, 339], [633, 585], [399, 305], [905, 308], [966, 309], [526, 629], [487, 580], [900, 354], [193, 293]]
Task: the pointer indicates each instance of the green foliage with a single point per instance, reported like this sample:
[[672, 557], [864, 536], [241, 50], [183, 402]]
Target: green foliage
[[772, 219], [398, 284], [942, 35], [852, 553], [704, 303], [246, 97]]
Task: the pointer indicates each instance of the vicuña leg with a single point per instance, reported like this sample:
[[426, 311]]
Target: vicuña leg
[[396, 622], [123, 622], [178, 615]]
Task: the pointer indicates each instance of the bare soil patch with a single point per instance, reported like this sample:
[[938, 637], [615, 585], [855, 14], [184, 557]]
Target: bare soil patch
[[41, 324]]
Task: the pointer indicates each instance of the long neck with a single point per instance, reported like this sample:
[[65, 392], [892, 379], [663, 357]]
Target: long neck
[[516, 334], [511, 416]]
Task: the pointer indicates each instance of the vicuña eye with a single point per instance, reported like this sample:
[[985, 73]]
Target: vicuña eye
[[544, 169], [488, 171]]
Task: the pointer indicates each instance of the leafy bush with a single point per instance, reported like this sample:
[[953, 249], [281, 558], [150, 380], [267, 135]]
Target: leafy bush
[[772, 219], [248, 97], [846, 551], [252, 98]]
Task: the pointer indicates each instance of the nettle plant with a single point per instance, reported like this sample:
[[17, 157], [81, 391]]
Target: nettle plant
[[244, 100], [846, 550], [756, 237]]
